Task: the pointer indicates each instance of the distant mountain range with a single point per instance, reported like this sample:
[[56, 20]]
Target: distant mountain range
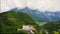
[[39, 15]]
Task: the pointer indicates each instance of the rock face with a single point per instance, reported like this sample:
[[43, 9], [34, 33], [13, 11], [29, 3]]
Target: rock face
[[28, 28]]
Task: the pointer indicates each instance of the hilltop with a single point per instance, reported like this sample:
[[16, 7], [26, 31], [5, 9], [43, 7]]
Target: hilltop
[[11, 20]]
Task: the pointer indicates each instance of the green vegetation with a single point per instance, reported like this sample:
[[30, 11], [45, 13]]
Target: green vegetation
[[50, 27], [11, 21]]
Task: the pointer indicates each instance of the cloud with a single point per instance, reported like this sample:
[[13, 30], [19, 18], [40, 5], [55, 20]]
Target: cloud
[[6, 5], [50, 5]]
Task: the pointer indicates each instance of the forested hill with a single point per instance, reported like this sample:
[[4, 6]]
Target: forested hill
[[11, 19]]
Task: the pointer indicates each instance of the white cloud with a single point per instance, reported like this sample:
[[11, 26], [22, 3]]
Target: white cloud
[[6, 5], [50, 5]]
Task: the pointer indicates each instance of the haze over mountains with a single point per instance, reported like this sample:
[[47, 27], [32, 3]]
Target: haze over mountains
[[17, 16], [44, 16]]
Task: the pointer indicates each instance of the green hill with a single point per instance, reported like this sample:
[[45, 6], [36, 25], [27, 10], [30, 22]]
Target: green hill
[[11, 20]]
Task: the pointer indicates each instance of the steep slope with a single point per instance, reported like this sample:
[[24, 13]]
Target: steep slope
[[11, 21], [40, 16]]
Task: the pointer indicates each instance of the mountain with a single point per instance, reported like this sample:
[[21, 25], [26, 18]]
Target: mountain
[[11, 21], [40, 16]]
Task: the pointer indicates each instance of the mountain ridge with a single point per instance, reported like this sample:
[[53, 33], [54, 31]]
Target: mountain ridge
[[40, 15]]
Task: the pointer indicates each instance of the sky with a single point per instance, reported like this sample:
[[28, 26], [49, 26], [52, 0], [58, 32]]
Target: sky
[[50, 5]]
